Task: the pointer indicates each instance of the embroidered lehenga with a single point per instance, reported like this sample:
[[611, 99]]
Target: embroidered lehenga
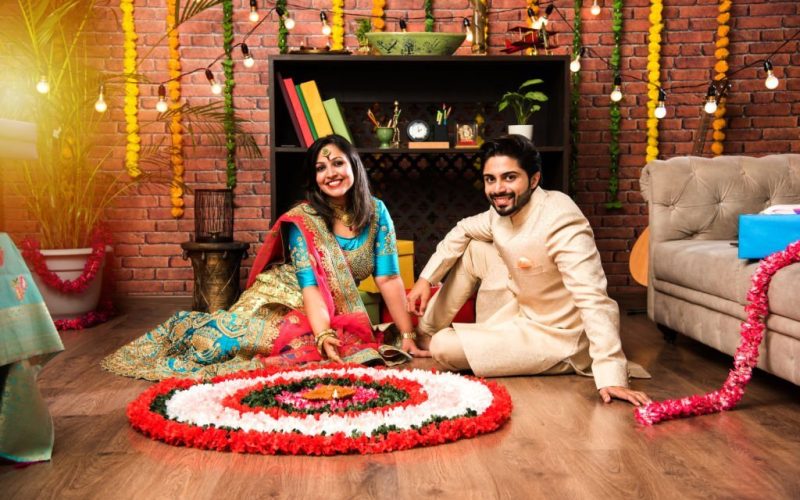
[[267, 325]]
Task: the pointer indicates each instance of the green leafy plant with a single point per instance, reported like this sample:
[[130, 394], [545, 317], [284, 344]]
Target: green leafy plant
[[523, 103], [77, 177]]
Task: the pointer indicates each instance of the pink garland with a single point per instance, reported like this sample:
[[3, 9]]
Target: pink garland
[[745, 359], [33, 255]]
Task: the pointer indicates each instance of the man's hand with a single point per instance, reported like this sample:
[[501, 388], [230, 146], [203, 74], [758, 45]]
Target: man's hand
[[411, 347], [637, 398], [421, 292]]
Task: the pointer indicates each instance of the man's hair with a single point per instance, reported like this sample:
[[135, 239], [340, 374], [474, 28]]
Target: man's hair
[[516, 147]]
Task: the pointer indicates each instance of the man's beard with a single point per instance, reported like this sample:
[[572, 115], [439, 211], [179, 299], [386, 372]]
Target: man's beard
[[516, 202]]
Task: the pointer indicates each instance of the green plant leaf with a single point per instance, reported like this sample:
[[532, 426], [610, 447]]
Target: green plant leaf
[[533, 81]]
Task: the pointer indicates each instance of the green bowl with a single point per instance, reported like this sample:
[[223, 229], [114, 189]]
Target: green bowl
[[389, 43]]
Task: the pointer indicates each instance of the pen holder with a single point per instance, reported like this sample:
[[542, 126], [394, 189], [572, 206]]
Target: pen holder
[[440, 133], [384, 135]]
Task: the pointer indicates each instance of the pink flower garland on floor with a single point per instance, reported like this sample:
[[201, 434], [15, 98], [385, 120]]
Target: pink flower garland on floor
[[745, 359]]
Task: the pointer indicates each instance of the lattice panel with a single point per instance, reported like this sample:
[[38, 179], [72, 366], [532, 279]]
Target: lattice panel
[[426, 194]]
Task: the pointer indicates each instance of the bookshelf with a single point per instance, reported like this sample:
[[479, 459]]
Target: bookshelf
[[437, 186]]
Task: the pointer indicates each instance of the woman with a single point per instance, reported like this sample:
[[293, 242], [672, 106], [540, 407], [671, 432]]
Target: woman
[[302, 303]]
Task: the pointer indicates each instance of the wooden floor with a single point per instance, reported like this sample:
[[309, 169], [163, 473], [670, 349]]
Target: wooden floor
[[561, 441]]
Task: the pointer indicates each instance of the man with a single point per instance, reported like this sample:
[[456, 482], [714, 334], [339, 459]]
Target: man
[[542, 304]]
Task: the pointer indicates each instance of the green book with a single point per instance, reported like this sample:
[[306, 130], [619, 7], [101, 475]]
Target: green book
[[336, 117], [306, 112]]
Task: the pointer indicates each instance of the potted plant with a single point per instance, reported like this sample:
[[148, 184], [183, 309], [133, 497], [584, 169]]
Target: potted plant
[[68, 189], [524, 104]]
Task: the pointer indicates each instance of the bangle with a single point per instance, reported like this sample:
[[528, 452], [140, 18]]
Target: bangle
[[412, 335], [324, 334]]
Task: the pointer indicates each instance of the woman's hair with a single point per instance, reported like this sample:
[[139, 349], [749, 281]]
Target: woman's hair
[[359, 198], [514, 146]]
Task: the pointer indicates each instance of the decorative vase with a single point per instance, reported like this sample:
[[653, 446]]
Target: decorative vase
[[384, 135], [68, 264], [480, 26], [523, 130]]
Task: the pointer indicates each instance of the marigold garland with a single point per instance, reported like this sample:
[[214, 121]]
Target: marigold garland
[[745, 358], [575, 96], [337, 25], [654, 77], [131, 108], [378, 15], [721, 69], [616, 117], [175, 126], [283, 32], [534, 6], [227, 66]]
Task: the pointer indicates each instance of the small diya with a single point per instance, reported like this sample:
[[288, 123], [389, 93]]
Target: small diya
[[328, 392]]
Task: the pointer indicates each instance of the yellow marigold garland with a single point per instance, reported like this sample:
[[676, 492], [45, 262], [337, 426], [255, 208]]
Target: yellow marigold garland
[[653, 76], [337, 27], [378, 22], [131, 108], [175, 126], [721, 69]]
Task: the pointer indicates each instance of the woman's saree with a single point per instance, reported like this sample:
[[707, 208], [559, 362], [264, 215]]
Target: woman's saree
[[267, 325]]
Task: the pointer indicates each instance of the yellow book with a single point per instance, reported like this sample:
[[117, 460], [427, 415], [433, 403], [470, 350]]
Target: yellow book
[[316, 109]]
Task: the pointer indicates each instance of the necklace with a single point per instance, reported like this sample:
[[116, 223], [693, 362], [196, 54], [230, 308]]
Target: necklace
[[343, 215]]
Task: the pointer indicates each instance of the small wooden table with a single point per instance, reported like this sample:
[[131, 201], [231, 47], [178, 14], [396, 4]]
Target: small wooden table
[[216, 273]]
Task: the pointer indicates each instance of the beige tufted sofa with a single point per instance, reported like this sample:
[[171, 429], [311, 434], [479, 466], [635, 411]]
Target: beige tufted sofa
[[697, 284]]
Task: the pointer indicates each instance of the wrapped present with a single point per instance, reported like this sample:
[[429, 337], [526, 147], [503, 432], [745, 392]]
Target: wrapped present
[[405, 253], [761, 235], [464, 315], [372, 301]]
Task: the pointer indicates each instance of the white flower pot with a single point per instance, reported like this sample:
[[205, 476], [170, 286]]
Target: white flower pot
[[68, 265], [523, 130]]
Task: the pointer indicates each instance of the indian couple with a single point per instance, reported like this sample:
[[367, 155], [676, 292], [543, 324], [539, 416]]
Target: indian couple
[[542, 305]]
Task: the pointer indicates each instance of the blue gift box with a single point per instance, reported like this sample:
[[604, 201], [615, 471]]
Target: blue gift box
[[761, 235]]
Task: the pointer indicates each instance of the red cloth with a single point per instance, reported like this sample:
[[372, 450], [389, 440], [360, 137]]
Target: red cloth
[[465, 315]]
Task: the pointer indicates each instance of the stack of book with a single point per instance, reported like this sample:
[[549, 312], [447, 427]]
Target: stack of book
[[312, 117]]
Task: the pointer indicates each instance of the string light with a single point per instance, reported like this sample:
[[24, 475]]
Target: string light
[[253, 11], [711, 100], [43, 86], [403, 25], [323, 18], [248, 61], [661, 109], [547, 12], [772, 81], [288, 22], [468, 30], [595, 10], [100, 104], [616, 94], [161, 105], [216, 88], [575, 65]]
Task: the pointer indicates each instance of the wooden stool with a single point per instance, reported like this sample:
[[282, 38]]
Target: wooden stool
[[216, 273]]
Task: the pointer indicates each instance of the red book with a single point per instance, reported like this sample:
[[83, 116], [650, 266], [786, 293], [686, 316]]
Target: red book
[[295, 111]]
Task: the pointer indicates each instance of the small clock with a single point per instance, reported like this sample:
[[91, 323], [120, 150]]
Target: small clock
[[418, 130]]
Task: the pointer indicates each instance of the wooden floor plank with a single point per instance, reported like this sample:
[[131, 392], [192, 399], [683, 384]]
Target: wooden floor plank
[[562, 441]]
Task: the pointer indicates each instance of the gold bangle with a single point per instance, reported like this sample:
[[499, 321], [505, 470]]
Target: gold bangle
[[324, 334], [412, 335]]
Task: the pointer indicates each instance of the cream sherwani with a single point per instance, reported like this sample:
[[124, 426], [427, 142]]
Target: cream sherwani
[[551, 312]]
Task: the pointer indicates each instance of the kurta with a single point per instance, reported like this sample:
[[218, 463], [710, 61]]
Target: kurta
[[560, 311]]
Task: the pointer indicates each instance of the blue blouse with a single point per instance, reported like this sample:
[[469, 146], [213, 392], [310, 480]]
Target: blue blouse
[[384, 253]]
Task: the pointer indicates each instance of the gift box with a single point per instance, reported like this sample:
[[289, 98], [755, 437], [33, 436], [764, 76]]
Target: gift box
[[761, 235], [464, 315], [372, 301], [405, 253]]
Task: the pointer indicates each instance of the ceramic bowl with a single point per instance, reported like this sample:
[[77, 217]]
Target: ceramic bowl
[[389, 43]]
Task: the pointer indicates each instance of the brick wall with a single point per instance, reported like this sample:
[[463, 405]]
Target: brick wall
[[147, 239]]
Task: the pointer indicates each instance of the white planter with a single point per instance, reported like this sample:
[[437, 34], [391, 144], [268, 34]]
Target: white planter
[[68, 265], [523, 130]]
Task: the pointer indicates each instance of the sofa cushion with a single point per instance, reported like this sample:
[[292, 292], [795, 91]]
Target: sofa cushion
[[712, 267]]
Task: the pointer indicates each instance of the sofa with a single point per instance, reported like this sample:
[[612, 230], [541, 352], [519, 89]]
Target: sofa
[[697, 285]]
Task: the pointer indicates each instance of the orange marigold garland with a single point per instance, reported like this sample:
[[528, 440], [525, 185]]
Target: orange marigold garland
[[131, 108], [337, 25], [175, 126], [654, 77], [721, 71], [378, 14]]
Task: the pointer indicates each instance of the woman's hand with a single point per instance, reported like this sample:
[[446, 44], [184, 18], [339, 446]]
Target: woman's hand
[[411, 347], [329, 345]]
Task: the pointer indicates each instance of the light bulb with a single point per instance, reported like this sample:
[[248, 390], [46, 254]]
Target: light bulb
[[43, 87], [326, 29], [661, 110], [100, 105], [616, 94], [595, 8], [288, 22], [161, 105], [711, 106], [575, 65], [470, 36], [253, 11], [467, 30], [537, 23], [772, 81], [248, 61], [216, 88]]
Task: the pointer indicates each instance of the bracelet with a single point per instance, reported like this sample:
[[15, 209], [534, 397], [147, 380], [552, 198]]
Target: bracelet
[[324, 334], [412, 335]]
